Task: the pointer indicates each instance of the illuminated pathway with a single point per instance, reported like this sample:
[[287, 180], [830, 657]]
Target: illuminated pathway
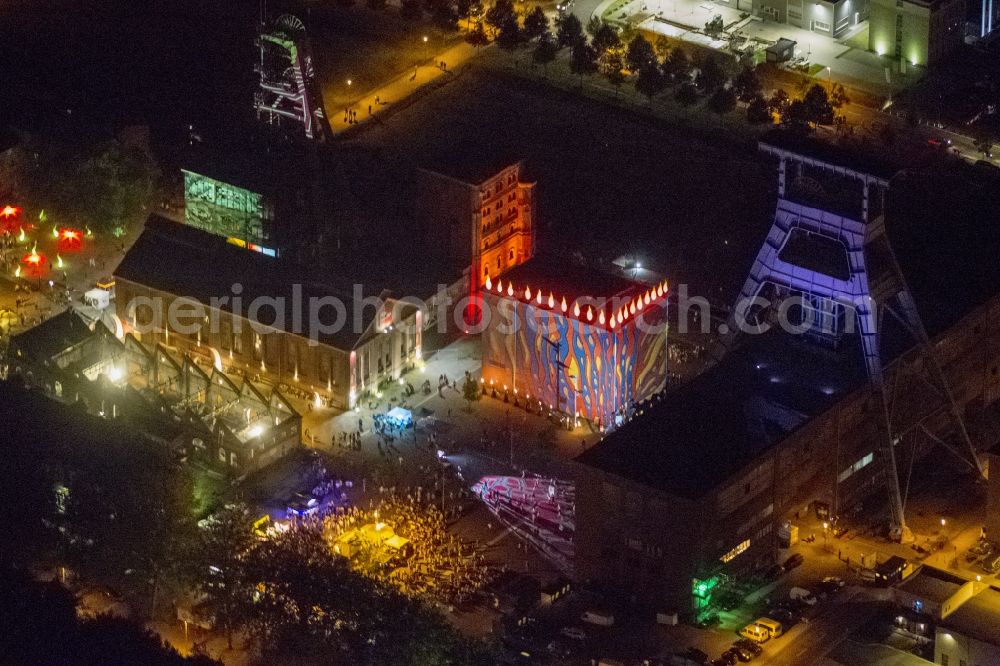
[[402, 86]]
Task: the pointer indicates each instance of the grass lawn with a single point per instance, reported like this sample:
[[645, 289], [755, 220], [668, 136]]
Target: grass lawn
[[609, 180], [368, 47]]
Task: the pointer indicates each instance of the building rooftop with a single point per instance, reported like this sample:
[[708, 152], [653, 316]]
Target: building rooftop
[[977, 618], [470, 164], [53, 336], [569, 277], [711, 428], [181, 260], [931, 584]]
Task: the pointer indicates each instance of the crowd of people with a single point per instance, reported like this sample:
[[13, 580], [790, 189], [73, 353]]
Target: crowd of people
[[434, 564]]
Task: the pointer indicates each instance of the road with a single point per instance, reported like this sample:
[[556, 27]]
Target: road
[[807, 643]]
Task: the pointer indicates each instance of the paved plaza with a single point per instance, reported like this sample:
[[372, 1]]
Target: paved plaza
[[847, 58]]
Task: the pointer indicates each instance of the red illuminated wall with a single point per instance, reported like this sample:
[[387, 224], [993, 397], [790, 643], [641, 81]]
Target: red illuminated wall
[[572, 364]]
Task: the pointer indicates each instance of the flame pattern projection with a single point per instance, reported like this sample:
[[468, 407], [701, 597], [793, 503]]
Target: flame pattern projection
[[604, 371]]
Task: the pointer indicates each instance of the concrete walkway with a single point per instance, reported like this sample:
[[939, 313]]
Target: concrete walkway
[[380, 100]]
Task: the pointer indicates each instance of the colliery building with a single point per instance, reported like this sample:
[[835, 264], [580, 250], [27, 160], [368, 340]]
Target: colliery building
[[694, 489]]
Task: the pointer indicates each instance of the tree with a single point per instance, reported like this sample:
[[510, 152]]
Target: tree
[[478, 36], [613, 70], [712, 76], [510, 35], [677, 65], [443, 13], [605, 40], [650, 80], [797, 118], [569, 31], [983, 142], [411, 10], [838, 98], [758, 111], [818, 107], [640, 52], [470, 391], [220, 572], [687, 94], [722, 101], [747, 85], [545, 52], [536, 24], [779, 102], [500, 14], [594, 24], [584, 60], [662, 47], [467, 9]]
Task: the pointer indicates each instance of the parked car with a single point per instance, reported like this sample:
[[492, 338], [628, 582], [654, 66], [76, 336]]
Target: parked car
[[575, 633], [991, 564], [754, 649], [793, 561]]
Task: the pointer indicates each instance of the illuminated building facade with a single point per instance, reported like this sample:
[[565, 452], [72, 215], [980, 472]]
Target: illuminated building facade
[[484, 211], [918, 32], [584, 343], [229, 211], [378, 340]]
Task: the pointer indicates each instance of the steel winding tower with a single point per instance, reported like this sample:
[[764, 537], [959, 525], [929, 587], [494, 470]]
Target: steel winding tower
[[844, 271], [288, 89]]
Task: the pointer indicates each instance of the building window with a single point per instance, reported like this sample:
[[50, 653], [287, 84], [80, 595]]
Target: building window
[[794, 14], [821, 26], [510, 256], [737, 550], [859, 465]]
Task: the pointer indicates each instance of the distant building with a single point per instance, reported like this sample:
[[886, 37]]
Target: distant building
[[917, 31], [826, 17], [483, 212], [574, 339]]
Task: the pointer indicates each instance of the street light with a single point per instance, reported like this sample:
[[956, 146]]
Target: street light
[[350, 101], [425, 48]]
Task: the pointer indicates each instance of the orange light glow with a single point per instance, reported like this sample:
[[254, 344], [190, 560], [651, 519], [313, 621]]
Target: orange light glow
[[499, 286], [590, 314], [489, 283], [538, 297], [576, 309], [563, 304], [600, 319], [510, 289], [10, 211], [552, 300], [527, 294]]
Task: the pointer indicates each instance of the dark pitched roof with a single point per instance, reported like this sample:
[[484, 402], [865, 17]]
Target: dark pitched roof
[[54, 335], [698, 436], [182, 260]]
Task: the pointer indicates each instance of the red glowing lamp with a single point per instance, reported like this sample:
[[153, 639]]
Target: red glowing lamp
[[34, 263], [70, 239]]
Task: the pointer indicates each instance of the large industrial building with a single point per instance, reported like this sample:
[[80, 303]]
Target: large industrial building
[[333, 360], [692, 492]]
